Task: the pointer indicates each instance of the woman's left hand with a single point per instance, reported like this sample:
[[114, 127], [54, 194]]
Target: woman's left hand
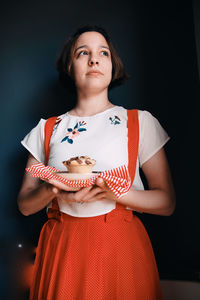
[[106, 191]]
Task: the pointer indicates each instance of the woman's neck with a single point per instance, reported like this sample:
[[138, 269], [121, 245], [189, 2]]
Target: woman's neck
[[88, 105]]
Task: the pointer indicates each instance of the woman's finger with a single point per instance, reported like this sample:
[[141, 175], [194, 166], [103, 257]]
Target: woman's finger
[[66, 196], [79, 195], [92, 193], [101, 196], [73, 196], [85, 195], [55, 190], [63, 186], [101, 183]]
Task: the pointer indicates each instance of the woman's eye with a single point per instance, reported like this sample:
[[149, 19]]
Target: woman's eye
[[82, 52], [105, 53]]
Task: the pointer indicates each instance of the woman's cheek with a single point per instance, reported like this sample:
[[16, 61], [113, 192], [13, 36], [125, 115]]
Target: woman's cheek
[[78, 73], [109, 74], [108, 68]]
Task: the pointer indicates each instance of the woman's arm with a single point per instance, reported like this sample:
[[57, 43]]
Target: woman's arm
[[34, 195], [160, 199]]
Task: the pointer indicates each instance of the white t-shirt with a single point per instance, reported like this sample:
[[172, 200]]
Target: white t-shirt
[[103, 137]]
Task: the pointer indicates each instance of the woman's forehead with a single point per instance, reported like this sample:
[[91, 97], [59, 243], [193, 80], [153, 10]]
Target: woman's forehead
[[91, 38]]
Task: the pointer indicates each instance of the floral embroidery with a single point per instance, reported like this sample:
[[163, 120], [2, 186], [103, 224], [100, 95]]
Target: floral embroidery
[[74, 132], [115, 120]]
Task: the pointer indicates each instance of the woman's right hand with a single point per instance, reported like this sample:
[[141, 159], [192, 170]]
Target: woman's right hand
[[80, 195]]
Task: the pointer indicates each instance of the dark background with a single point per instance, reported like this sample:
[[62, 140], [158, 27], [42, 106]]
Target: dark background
[[156, 41]]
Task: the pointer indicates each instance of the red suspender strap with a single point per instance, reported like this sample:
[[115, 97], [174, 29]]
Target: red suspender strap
[[48, 129], [133, 141]]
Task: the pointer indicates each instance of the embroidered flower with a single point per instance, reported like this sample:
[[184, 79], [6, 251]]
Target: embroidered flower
[[74, 132], [115, 120]]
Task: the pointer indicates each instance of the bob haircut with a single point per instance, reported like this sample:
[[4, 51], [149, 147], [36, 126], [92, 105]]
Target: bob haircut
[[64, 60]]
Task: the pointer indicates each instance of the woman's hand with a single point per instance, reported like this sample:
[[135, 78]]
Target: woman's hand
[[106, 191], [57, 185], [99, 191]]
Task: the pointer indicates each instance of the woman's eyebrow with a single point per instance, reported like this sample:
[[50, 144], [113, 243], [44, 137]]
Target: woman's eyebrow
[[85, 46]]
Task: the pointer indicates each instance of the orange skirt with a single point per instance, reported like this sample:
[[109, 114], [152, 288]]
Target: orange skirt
[[107, 257]]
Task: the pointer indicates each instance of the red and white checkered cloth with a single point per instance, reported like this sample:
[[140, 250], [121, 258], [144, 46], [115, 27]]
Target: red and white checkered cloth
[[117, 179]]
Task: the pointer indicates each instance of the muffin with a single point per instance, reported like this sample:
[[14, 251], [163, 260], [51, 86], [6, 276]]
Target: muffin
[[80, 164]]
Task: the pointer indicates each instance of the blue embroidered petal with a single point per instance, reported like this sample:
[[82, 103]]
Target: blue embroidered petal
[[65, 138], [82, 129], [69, 129], [70, 141], [116, 122], [76, 126]]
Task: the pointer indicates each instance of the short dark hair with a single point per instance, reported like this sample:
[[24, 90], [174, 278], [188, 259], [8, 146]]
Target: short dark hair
[[64, 60]]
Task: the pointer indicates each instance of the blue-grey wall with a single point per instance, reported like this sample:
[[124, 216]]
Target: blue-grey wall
[[157, 45]]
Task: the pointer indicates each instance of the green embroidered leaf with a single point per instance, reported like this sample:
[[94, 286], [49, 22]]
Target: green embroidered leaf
[[116, 122], [70, 141], [69, 129], [82, 129], [76, 126], [65, 138]]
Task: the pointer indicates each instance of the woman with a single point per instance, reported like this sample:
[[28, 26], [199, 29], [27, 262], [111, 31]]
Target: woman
[[93, 246]]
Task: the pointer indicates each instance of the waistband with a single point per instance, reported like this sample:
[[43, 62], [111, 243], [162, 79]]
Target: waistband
[[119, 211]]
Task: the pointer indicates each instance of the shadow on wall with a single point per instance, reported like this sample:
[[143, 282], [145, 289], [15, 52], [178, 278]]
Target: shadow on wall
[[49, 101], [54, 99], [180, 290]]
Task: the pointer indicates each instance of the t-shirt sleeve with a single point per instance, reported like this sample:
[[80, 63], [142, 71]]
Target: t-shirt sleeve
[[34, 141], [152, 136]]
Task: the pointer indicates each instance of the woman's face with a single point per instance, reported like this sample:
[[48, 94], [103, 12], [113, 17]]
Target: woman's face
[[91, 53]]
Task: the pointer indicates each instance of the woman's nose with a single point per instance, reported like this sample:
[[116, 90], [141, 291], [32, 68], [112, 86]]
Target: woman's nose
[[93, 61]]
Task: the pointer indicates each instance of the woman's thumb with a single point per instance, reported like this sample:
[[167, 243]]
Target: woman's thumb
[[100, 181], [55, 190]]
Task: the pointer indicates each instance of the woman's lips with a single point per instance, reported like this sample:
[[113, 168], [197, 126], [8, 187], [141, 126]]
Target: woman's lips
[[94, 73]]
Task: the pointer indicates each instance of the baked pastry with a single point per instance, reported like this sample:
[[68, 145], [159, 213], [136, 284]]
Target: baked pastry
[[80, 164]]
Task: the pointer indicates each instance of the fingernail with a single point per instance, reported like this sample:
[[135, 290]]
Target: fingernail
[[55, 190]]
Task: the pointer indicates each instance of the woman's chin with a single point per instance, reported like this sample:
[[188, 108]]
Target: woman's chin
[[93, 87]]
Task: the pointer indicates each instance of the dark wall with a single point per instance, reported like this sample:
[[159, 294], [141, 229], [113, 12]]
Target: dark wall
[[156, 42]]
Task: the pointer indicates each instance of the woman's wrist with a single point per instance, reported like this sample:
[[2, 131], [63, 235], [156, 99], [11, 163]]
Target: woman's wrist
[[36, 199]]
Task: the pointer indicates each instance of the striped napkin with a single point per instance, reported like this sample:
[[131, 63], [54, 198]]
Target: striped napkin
[[117, 179]]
